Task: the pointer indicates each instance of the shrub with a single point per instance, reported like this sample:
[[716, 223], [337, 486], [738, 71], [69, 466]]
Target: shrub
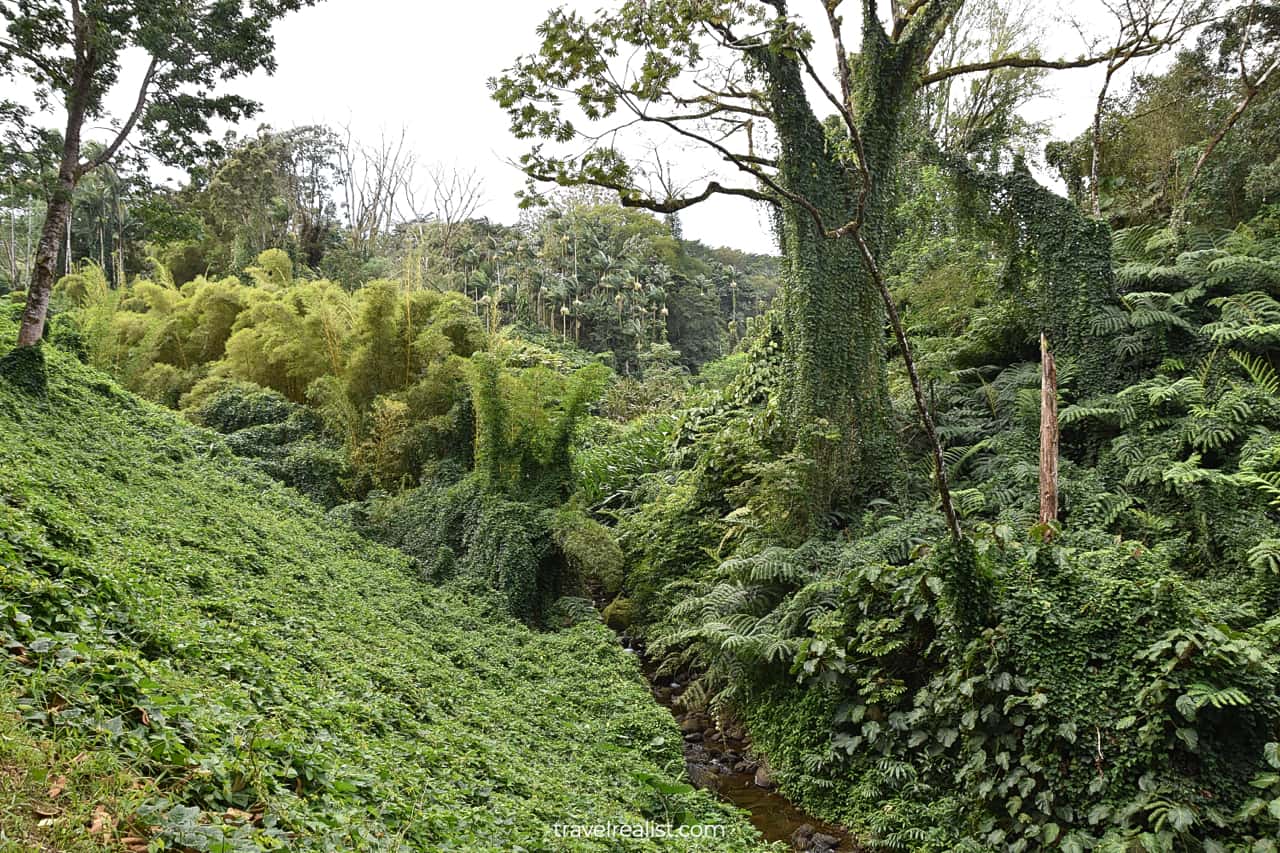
[[464, 530], [589, 550], [619, 613]]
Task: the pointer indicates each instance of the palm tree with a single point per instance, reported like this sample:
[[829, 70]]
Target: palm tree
[[733, 312]]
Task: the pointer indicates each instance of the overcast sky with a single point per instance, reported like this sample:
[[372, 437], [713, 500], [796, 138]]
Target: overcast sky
[[379, 65]]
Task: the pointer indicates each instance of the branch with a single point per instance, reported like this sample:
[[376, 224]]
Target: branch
[[845, 109], [1250, 93], [628, 196], [922, 408], [758, 161], [675, 205], [1032, 62], [107, 153], [715, 108], [905, 18], [51, 71], [870, 17]]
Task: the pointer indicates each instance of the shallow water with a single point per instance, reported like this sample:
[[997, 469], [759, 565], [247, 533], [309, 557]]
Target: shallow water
[[712, 763]]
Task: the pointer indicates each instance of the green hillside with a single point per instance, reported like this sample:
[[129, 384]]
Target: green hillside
[[193, 647]]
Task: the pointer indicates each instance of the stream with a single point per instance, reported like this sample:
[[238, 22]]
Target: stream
[[721, 761]]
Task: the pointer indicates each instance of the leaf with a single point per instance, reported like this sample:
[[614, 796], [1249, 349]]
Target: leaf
[[1181, 818], [661, 785], [1072, 844], [59, 785], [102, 821]]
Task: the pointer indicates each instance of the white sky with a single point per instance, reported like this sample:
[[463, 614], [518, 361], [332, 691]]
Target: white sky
[[379, 65]]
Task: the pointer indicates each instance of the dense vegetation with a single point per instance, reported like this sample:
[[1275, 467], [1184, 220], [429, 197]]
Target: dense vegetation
[[212, 663], [812, 487]]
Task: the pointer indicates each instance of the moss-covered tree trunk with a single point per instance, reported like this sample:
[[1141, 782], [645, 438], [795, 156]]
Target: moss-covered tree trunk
[[835, 394]]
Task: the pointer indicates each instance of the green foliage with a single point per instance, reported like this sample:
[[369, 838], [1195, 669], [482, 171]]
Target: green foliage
[[193, 51], [1056, 257], [589, 550], [24, 368], [71, 780], [614, 463], [273, 680], [380, 366], [619, 614], [272, 270], [831, 313], [937, 698], [837, 655], [1154, 133], [465, 530], [282, 439], [525, 421]]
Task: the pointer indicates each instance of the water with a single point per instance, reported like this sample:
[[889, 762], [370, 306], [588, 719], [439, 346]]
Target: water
[[721, 762]]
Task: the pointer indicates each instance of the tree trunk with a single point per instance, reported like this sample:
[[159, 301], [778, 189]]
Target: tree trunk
[[1095, 145], [45, 270], [834, 393], [58, 213], [12, 253], [1048, 434]]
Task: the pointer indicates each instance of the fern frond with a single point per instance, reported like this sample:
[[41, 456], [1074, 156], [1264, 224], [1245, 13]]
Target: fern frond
[[1259, 370]]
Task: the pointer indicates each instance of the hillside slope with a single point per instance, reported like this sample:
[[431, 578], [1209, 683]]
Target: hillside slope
[[197, 655]]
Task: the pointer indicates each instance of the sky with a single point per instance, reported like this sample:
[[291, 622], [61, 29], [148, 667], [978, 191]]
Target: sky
[[378, 66]]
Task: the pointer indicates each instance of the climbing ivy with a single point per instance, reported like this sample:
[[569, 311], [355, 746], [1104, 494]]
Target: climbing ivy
[[1056, 257]]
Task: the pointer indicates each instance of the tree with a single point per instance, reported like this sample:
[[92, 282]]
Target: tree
[[374, 180], [71, 55], [272, 190], [733, 79], [1202, 131], [451, 198], [1143, 28], [981, 114], [312, 178], [1250, 45]]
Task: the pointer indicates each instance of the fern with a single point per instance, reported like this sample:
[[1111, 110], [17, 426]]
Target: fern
[[1200, 694], [1266, 555], [1260, 372]]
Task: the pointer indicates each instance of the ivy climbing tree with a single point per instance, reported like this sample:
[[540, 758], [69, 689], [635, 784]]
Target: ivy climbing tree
[[734, 78]]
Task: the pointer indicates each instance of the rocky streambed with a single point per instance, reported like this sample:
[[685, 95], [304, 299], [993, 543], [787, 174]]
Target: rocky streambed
[[720, 759]]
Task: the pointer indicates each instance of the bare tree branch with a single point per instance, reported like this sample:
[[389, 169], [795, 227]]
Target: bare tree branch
[[1023, 62], [107, 153]]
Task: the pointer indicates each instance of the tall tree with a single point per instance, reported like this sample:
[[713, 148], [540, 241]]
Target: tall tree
[[734, 78], [70, 55], [1143, 28], [1248, 40]]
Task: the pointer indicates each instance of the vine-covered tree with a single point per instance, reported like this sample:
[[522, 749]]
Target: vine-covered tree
[[70, 55], [734, 78]]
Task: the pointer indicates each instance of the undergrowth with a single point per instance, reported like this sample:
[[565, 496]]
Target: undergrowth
[[272, 680], [1106, 682]]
